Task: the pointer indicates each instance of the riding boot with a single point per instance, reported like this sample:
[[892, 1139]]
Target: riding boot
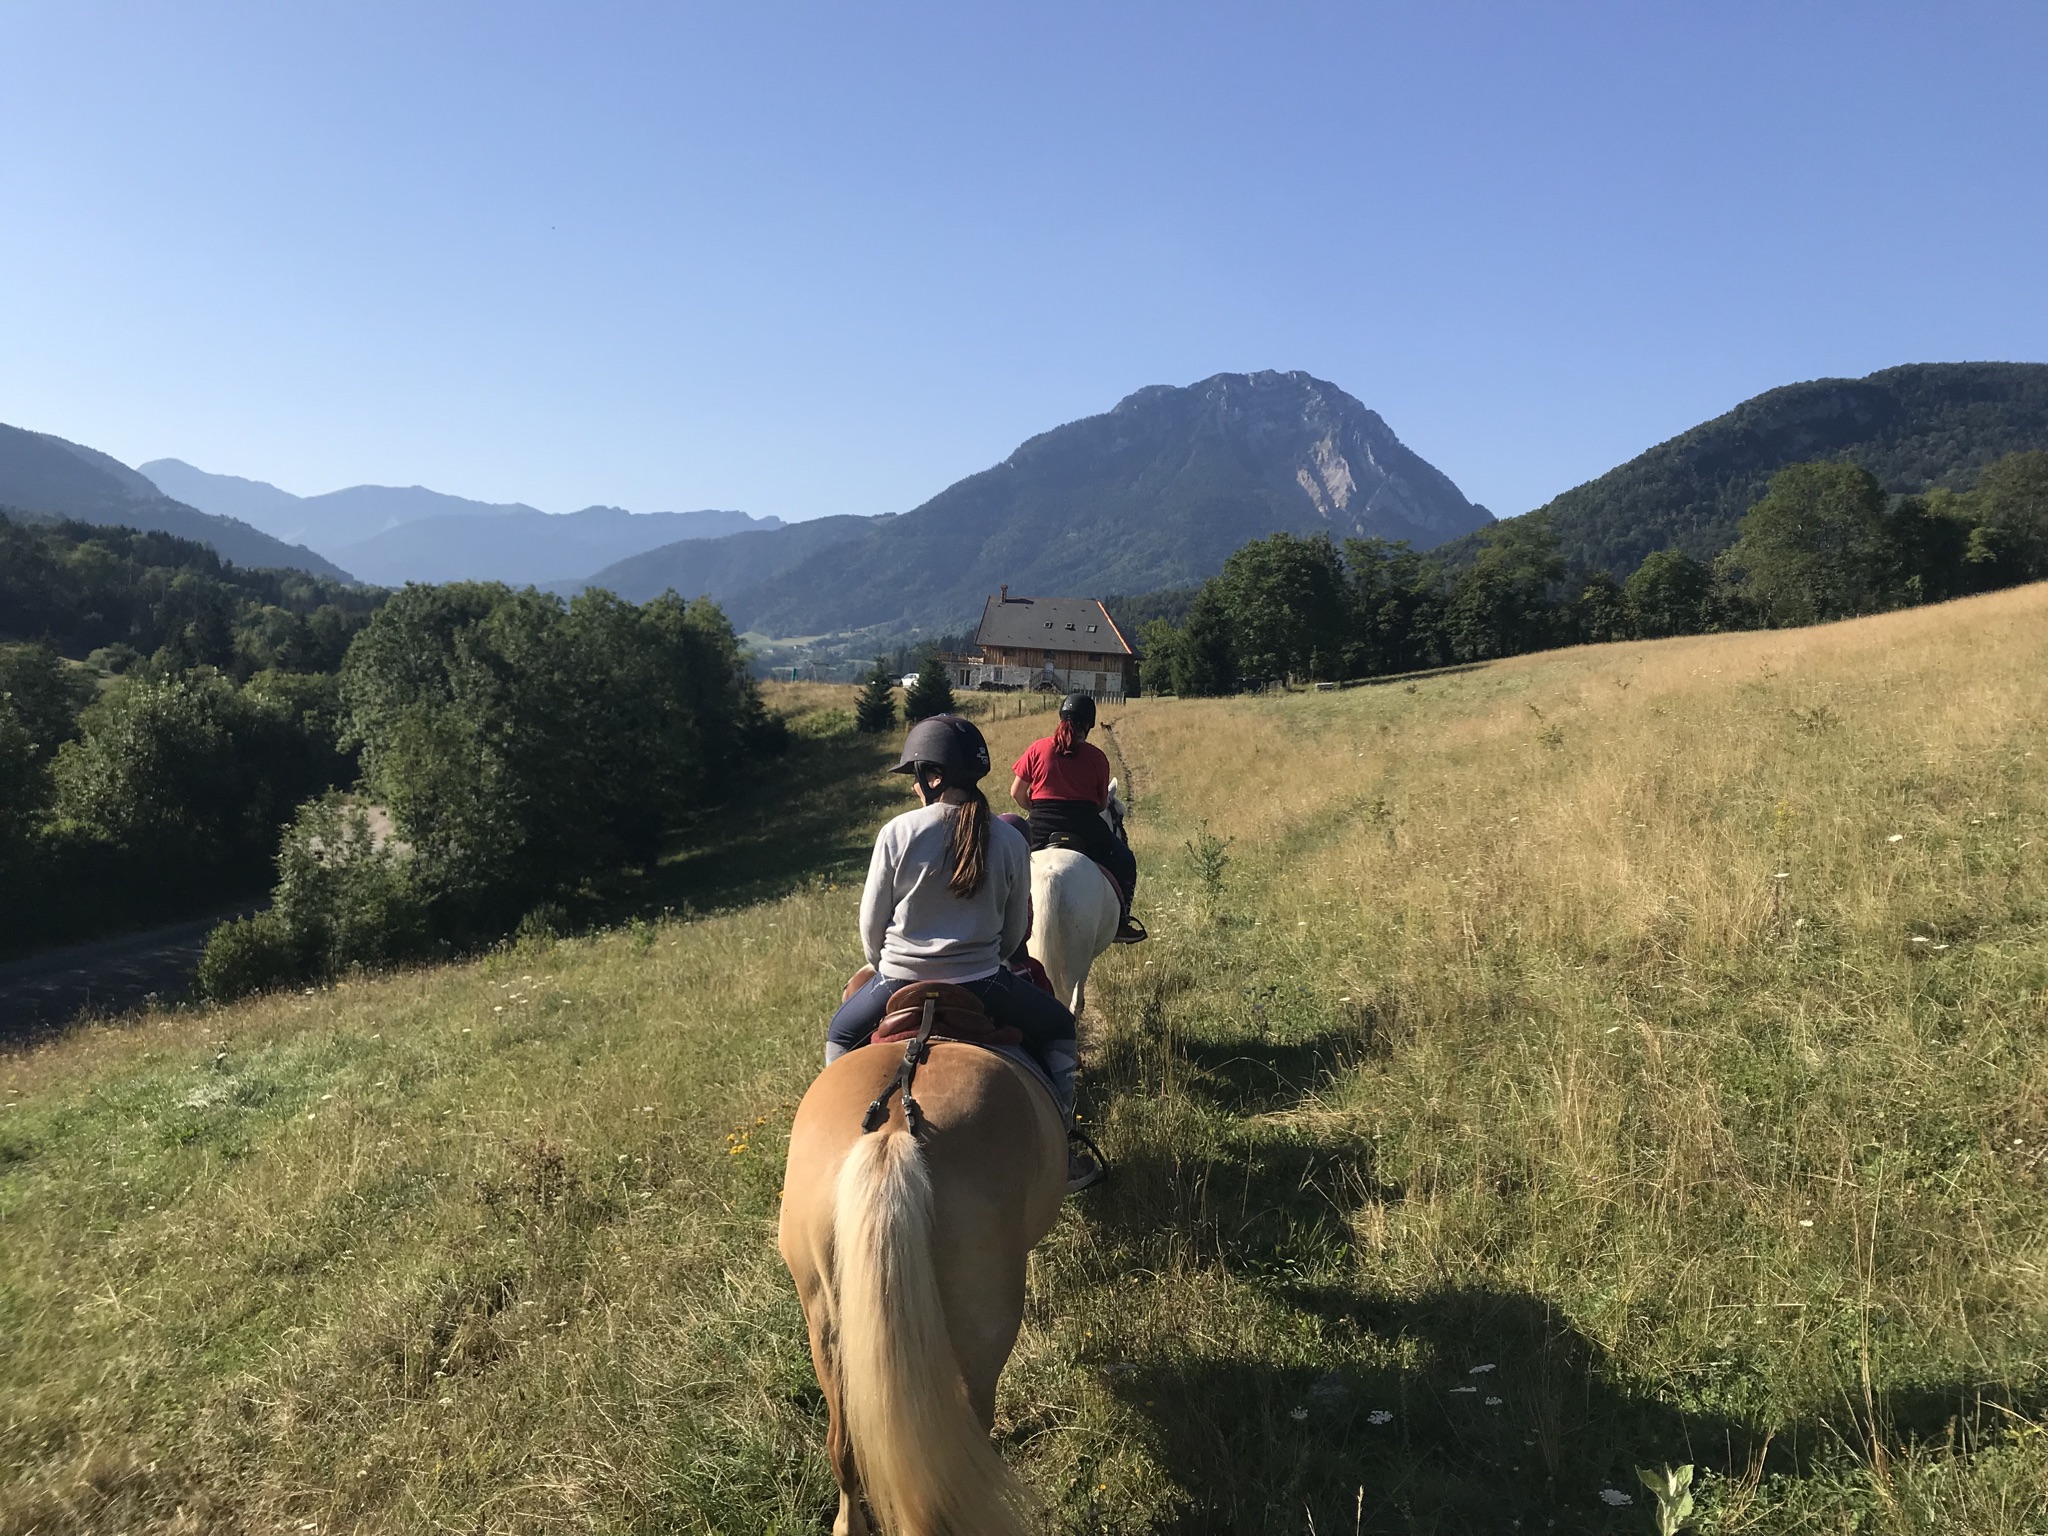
[[1128, 929]]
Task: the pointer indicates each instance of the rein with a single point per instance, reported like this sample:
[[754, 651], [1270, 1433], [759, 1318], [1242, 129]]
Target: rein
[[906, 1077]]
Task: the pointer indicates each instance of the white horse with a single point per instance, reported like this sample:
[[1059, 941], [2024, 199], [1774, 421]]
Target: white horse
[[1075, 910]]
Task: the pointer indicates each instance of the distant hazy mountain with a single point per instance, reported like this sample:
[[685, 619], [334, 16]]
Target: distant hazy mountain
[[394, 534], [531, 548], [326, 522], [1914, 427], [1155, 493], [47, 477], [724, 568]]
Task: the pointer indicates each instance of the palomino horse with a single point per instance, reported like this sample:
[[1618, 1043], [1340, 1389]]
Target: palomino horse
[[1075, 907], [908, 1251]]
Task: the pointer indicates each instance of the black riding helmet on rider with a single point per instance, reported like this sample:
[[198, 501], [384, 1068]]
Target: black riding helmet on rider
[[952, 744]]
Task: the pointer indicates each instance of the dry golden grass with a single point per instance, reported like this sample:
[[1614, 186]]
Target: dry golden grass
[[1501, 1045]]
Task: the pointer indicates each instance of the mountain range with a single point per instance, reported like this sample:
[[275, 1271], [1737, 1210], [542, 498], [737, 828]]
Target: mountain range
[[1154, 493], [389, 535], [1150, 495]]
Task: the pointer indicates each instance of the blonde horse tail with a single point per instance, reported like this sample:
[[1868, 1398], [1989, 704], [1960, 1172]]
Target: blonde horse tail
[[926, 1465]]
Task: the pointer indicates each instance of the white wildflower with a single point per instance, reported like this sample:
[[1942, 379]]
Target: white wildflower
[[1481, 1370], [1615, 1497], [1379, 1416]]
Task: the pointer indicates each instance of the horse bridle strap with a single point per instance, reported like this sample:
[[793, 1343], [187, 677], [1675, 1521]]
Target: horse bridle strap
[[906, 1077]]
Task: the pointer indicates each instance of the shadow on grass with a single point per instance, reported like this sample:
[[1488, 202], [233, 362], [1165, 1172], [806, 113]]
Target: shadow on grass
[[1456, 1409], [1253, 1077], [812, 816]]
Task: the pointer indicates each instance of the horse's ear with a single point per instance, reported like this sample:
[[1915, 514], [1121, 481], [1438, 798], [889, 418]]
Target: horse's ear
[[1112, 787]]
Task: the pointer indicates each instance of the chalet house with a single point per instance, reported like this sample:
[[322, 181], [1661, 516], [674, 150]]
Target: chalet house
[[1055, 644]]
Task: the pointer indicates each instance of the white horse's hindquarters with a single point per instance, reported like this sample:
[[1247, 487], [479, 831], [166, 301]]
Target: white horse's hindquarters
[[1074, 916]]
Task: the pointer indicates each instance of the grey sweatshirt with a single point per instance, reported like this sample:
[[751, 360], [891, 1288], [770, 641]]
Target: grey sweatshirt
[[913, 928]]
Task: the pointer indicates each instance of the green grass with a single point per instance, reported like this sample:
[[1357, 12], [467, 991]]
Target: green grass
[[1499, 1045]]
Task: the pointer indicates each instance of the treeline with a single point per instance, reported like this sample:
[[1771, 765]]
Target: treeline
[[521, 758], [116, 596], [413, 772], [1825, 542]]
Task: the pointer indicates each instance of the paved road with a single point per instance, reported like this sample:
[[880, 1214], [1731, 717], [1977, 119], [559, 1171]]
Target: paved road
[[105, 976]]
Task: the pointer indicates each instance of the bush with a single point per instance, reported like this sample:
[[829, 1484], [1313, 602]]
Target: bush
[[249, 955]]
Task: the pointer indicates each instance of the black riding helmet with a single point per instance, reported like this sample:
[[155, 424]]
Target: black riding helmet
[[1079, 708], [954, 744]]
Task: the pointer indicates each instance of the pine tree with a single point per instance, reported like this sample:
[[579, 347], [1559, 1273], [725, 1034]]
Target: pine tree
[[932, 693], [875, 710]]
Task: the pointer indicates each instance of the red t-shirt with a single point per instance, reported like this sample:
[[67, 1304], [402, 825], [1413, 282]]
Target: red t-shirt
[[1047, 776]]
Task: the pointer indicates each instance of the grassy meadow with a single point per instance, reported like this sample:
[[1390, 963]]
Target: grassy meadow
[[1595, 1060]]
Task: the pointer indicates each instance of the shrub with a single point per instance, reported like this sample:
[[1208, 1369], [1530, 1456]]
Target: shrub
[[249, 955]]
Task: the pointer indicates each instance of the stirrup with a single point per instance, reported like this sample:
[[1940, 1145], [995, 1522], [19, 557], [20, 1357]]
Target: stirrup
[[1130, 931], [1086, 1166]]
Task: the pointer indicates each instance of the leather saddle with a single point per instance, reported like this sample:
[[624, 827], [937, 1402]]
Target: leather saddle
[[958, 1016]]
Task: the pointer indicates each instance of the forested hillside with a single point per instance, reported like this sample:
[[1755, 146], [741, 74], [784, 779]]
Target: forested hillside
[[46, 477], [1916, 428], [82, 588]]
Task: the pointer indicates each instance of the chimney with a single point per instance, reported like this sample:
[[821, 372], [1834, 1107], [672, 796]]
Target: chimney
[[1006, 593]]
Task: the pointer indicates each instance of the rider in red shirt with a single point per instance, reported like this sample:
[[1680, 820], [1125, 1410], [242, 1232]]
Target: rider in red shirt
[[1062, 781]]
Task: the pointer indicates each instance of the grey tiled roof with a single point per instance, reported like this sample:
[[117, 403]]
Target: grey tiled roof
[[1050, 623]]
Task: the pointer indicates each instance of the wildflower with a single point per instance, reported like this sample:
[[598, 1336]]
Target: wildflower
[[1379, 1416], [1297, 1414], [1896, 837], [1921, 938], [1493, 1402], [1456, 1390], [1615, 1497], [1481, 1370], [1783, 874], [1806, 1221]]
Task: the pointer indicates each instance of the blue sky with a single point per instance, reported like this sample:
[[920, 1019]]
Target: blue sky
[[811, 259]]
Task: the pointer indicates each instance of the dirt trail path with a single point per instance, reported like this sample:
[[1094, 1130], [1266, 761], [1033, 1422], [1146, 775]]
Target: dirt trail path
[[104, 976]]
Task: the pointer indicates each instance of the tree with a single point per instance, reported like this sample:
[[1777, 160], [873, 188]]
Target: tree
[[187, 773], [529, 752], [932, 693], [1158, 644], [1667, 595], [1501, 605], [2009, 544], [1396, 604], [1818, 546], [1286, 601], [1205, 658], [874, 711], [1600, 612]]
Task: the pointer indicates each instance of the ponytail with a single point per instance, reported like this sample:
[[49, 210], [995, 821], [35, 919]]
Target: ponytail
[[967, 849], [1064, 738]]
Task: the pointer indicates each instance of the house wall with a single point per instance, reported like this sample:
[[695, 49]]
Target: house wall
[[1112, 677]]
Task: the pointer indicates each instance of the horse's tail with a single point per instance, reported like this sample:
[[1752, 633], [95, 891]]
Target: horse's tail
[[925, 1461]]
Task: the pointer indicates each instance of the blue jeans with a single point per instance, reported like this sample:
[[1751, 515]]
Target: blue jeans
[[1041, 1018]]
